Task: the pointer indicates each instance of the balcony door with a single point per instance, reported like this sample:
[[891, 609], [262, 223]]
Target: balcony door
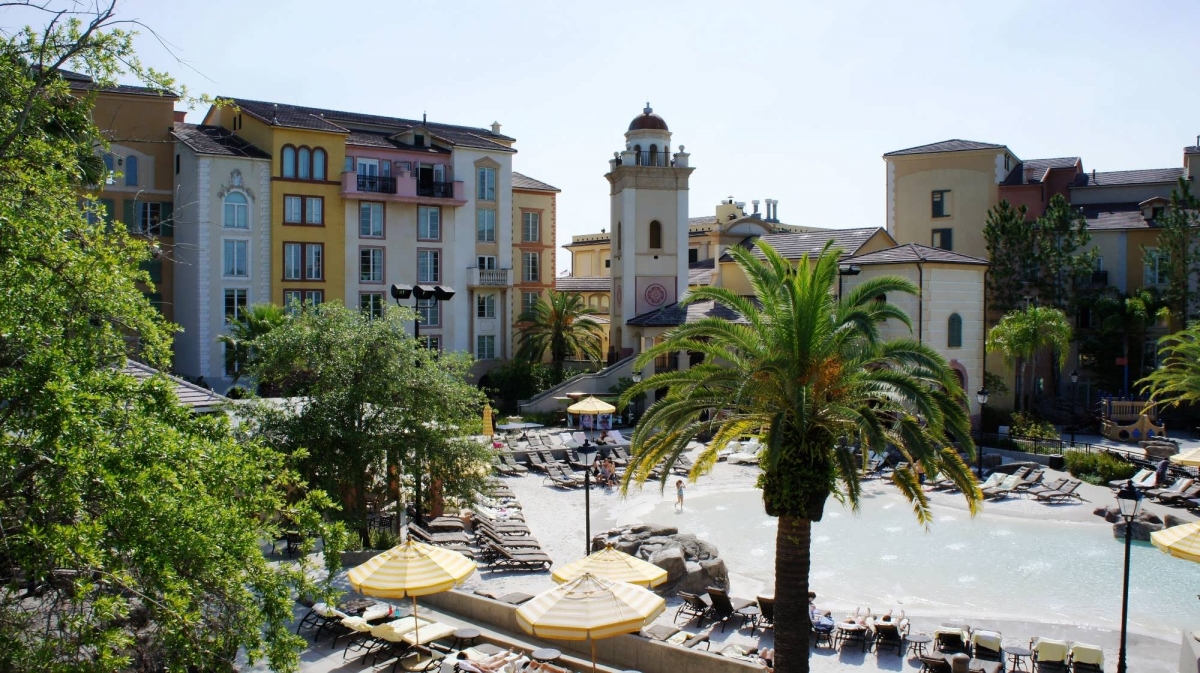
[[486, 262], [368, 175]]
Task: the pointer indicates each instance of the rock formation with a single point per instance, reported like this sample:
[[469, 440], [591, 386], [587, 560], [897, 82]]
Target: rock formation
[[692, 564]]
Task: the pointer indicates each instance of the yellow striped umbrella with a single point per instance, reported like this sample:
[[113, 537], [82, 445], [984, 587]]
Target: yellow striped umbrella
[[588, 608], [488, 428], [1179, 541], [591, 407], [1187, 458], [411, 569], [613, 565]]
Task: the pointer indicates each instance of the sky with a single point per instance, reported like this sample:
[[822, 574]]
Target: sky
[[795, 101]]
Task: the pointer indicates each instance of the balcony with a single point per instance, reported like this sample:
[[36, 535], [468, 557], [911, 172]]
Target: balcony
[[437, 190], [403, 188], [489, 277], [377, 184]]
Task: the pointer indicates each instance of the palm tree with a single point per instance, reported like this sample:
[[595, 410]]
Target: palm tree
[[1177, 379], [563, 326], [1021, 335], [239, 342], [802, 369]]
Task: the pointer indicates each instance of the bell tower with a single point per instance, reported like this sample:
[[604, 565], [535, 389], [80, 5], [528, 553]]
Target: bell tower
[[649, 224]]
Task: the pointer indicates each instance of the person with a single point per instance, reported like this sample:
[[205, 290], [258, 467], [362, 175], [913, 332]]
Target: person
[[920, 472], [679, 494], [603, 476], [822, 620], [490, 664], [612, 471], [1160, 473], [603, 438]]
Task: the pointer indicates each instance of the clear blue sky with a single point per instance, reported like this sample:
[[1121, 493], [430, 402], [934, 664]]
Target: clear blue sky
[[790, 100]]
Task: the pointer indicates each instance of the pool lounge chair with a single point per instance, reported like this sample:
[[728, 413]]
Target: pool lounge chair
[[1046, 487], [986, 645], [693, 607], [518, 560], [766, 609], [502, 526], [1007, 487], [549, 459], [535, 461], [484, 536], [321, 617], [419, 660], [934, 663], [1065, 492], [724, 607], [1049, 655], [559, 477], [952, 640], [1174, 489], [508, 460], [1181, 498], [1086, 658], [890, 633], [1032, 479]]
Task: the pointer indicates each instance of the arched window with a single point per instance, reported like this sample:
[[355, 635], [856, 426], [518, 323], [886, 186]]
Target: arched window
[[288, 161], [653, 156], [318, 172], [237, 211], [304, 164], [109, 168], [637, 154], [131, 171], [655, 233], [954, 331]]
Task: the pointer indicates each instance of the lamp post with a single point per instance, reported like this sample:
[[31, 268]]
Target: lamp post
[[1074, 398], [982, 398], [637, 403], [1129, 499], [587, 456]]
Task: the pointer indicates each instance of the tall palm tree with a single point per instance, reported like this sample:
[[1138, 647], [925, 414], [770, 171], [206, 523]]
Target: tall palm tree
[[239, 341], [1021, 335], [1177, 379], [802, 368], [564, 326]]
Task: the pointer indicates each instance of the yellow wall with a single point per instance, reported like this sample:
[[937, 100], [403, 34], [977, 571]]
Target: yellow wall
[[1135, 260], [587, 259], [970, 177], [733, 278]]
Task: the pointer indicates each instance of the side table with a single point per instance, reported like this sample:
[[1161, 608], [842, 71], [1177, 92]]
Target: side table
[[916, 642], [545, 655], [1017, 654], [465, 636]]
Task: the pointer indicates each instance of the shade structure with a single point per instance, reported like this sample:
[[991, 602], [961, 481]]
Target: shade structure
[[1179, 541], [1187, 458], [409, 570], [488, 429], [591, 406], [615, 566]]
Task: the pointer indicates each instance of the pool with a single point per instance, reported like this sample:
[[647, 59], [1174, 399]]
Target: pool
[[991, 566]]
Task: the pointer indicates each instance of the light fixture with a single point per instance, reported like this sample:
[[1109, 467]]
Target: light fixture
[[982, 396], [1129, 499], [587, 457], [637, 377], [1074, 376], [401, 292]]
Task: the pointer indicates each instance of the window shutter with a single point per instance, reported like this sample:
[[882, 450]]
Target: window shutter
[[109, 206], [167, 226], [131, 224]]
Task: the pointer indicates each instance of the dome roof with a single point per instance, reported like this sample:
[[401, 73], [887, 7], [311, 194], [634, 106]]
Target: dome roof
[[648, 121]]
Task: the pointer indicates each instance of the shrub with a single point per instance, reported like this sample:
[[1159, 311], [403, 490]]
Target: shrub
[[1027, 425], [1097, 468], [382, 538]]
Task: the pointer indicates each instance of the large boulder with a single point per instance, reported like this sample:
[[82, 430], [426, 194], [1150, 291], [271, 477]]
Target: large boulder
[[654, 530], [694, 548], [1170, 521], [705, 574], [1140, 530], [672, 561]]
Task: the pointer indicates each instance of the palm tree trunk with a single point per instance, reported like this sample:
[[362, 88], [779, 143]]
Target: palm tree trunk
[[792, 544]]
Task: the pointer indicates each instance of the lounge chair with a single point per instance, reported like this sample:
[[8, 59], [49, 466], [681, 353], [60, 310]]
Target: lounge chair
[[419, 660], [1118, 484], [387, 639], [485, 536], [1046, 487], [1178, 487], [549, 459], [1006, 488], [1182, 497], [1032, 479], [934, 663], [500, 467], [321, 617], [891, 633], [1086, 658], [579, 438], [1065, 492], [693, 607], [766, 608], [535, 461], [518, 560], [1049, 656], [508, 460], [724, 607], [952, 640], [444, 524], [704, 637], [502, 526], [560, 478], [620, 457], [986, 645]]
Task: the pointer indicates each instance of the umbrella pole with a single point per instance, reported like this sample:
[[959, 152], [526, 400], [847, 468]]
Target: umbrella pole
[[593, 644], [417, 628]]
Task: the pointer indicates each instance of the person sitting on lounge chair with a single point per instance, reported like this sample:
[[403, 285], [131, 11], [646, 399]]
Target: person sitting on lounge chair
[[822, 620]]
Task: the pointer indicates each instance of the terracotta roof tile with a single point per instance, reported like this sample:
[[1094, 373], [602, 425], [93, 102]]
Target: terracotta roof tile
[[522, 181], [216, 140], [946, 146], [911, 253]]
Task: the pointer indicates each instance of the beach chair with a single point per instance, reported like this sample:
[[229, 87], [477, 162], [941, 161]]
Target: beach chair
[[952, 640], [766, 608], [1086, 658], [1032, 479], [620, 456], [444, 524], [1174, 489], [557, 477], [890, 633], [693, 607], [1046, 487], [1118, 484], [579, 438], [424, 535], [549, 459], [419, 660], [1181, 498], [724, 607], [934, 663], [986, 645], [1065, 492], [509, 461], [1049, 656], [321, 617], [1006, 488], [535, 461], [702, 638], [502, 526], [484, 535], [518, 560]]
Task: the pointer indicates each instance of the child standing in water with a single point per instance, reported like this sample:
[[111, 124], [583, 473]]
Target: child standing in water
[[679, 494]]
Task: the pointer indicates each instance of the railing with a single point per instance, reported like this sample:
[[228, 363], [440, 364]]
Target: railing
[[500, 277], [379, 184], [658, 158], [1039, 446], [666, 363], [438, 190]]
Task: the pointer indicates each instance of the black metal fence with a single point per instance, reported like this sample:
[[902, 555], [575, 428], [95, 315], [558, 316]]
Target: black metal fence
[[378, 184], [1039, 446], [439, 190]]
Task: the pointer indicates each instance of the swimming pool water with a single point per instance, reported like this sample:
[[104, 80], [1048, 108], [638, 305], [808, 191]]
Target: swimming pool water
[[991, 566]]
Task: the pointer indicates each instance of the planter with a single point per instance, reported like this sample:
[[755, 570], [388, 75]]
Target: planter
[[1056, 462], [353, 558]]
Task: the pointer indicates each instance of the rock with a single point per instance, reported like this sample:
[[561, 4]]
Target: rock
[[647, 550], [672, 561], [1170, 521], [653, 530], [1101, 512], [1149, 517], [628, 546], [1141, 530], [703, 575], [696, 549]]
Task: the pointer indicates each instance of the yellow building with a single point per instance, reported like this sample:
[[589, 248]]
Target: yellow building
[[535, 214]]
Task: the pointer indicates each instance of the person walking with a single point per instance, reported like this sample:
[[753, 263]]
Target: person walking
[[679, 494]]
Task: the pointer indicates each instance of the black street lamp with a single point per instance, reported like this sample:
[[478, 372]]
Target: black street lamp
[[1129, 499], [637, 403], [587, 456], [1074, 398], [982, 397]]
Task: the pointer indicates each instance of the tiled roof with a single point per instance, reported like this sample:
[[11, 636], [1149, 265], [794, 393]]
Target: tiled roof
[[189, 394], [911, 253], [677, 314], [383, 139], [583, 284], [321, 119], [796, 245], [1034, 171], [698, 221], [521, 181], [1192, 149], [596, 241], [216, 140], [84, 82], [1102, 216], [946, 146], [701, 273], [1139, 177]]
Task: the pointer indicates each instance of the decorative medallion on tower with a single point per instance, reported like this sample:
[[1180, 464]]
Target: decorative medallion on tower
[[654, 292]]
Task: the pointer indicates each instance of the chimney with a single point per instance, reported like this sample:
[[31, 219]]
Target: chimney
[[755, 202], [180, 116], [1093, 176], [496, 128]]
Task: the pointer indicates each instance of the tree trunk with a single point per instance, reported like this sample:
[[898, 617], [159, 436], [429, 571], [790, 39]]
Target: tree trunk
[[792, 543]]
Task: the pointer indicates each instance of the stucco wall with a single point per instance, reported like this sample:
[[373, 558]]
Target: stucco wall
[[971, 180]]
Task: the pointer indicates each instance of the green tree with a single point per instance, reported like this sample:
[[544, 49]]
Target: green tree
[[802, 368], [1038, 259], [129, 528], [373, 398], [1061, 235], [1177, 379], [1009, 237], [1115, 325], [563, 326], [257, 321], [1176, 254], [1022, 335]]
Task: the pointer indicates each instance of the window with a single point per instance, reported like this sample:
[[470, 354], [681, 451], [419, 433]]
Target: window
[[349, 165], [618, 240], [304, 164], [429, 223], [237, 211], [314, 297], [940, 208], [293, 253], [485, 225], [693, 255], [419, 139], [531, 227], [486, 262], [131, 171], [429, 266], [486, 189], [304, 210], [656, 234], [231, 364], [109, 167], [314, 210], [149, 218], [370, 220], [529, 300], [485, 347], [1155, 212], [292, 299], [433, 343], [314, 261], [318, 171], [1007, 162], [236, 300], [430, 312], [1156, 268], [608, 263], [943, 238], [371, 303], [485, 306], [954, 331], [288, 162], [530, 272], [153, 268], [176, 164], [237, 259], [370, 265], [293, 210], [303, 261]]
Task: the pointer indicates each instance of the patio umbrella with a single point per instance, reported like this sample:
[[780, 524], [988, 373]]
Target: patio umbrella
[[1180, 541], [411, 569], [613, 565], [1187, 458], [589, 608], [487, 421], [591, 406]]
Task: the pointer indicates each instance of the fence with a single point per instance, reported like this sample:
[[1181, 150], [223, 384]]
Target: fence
[[1039, 446]]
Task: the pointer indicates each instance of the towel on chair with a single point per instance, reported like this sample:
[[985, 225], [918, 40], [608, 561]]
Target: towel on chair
[[1087, 654]]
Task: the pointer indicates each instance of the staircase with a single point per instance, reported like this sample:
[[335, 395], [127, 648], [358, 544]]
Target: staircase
[[596, 383]]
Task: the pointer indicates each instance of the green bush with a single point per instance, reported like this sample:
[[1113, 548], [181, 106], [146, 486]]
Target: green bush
[[382, 538], [1027, 425], [1097, 468]]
